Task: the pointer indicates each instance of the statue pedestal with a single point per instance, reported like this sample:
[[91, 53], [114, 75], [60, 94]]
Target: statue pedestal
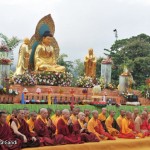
[[106, 72], [123, 84]]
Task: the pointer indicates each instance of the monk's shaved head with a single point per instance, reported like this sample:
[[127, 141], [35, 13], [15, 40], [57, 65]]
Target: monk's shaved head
[[3, 117], [33, 115], [144, 114], [81, 116], [145, 109], [104, 111], [128, 115], [81, 113], [66, 114], [122, 112], [65, 111], [44, 113], [95, 114], [43, 110]]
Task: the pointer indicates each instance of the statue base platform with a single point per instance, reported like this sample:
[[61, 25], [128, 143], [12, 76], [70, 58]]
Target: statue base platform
[[61, 93]]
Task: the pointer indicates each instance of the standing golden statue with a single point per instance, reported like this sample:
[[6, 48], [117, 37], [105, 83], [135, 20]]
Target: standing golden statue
[[23, 60], [90, 64], [44, 58]]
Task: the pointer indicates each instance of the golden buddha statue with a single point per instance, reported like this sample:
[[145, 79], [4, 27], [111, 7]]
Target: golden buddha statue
[[23, 60], [44, 57], [90, 64]]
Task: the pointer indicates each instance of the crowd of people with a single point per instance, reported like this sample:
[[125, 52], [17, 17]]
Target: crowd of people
[[23, 128]]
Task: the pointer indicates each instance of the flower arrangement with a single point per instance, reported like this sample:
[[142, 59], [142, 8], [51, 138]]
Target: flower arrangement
[[5, 61], [86, 82], [45, 78], [25, 79], [4, 48], [54, 79]]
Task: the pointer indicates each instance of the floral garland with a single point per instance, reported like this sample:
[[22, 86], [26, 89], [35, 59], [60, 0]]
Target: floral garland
[[25, 79], [45, 78], [54, 79], [86, 82], [5, 61], [4, 48]]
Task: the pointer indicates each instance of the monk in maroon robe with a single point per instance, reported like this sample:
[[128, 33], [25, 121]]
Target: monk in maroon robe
[[45, 129], [80, 128], [7, 140], [65, 128], [21, 130]]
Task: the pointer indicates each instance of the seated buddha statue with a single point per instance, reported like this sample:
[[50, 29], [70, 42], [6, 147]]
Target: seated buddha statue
[[44, 58], [90, 64]]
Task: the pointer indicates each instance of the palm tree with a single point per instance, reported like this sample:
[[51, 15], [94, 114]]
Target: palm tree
[[11, 43]]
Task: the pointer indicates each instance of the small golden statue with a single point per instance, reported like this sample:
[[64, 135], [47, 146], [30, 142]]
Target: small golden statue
[[23, 60], [44, 58], [90, 64]]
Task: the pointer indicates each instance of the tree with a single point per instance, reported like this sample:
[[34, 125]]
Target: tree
[[11, 43], [67, 64], [78, 68], [135, 54]]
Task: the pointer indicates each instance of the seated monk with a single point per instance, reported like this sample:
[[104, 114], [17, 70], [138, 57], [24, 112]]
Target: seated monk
[[119, 119], [141, 124], [102, 118], [65, 128], [44, 57], [26, 114], [56, 117], [6, 135], [80, 129], [87, 115], [74, 117], [95, 126], [135, 113], [111, 124], [11, 116], [127, 130], [31, 121], [45, 129], [21, 130]]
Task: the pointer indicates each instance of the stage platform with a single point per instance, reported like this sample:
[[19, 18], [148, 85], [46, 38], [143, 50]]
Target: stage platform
[[119, 144]]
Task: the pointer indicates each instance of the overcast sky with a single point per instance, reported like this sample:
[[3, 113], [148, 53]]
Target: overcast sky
[[80, 24]]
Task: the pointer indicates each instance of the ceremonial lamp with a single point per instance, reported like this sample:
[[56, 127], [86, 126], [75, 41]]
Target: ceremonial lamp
[[49, 96], [72, 96], [25, 91], [38, 91], [60, 92], [85, 92]]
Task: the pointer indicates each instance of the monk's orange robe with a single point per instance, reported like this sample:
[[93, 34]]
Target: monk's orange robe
[[119, 121], [26, 119], [73, 118], [126, 129], [8, 119], [95, 126], [101, 117], [109, 121], [87, 118], [30, 122], [53, 117]]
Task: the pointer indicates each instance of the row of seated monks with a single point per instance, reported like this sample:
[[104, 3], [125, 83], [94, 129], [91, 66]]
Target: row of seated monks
[[23, 129]]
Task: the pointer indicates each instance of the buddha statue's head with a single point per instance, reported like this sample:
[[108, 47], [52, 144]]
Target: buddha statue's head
[[90, 51], [46, 38], [26, 41]]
